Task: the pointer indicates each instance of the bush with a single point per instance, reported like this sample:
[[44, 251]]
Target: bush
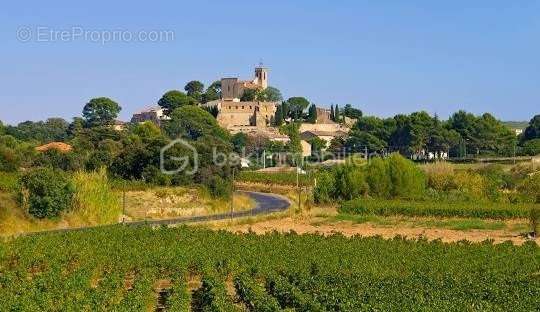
[[324, 190], [46, 192], [530, 188], [350, 182], [219, 187], [531, 147], [378, 178], [408, 181]]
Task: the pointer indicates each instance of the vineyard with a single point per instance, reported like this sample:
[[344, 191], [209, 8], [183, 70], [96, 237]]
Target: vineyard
[[274, 178], [489, 210], [179, 269]]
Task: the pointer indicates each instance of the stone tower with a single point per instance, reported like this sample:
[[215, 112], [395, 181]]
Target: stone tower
[[261, 76]]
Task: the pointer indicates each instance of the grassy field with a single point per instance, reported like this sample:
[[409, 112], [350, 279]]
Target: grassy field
[[136, 268]]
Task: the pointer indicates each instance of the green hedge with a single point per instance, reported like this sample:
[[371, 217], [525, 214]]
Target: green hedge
[[436, 209]]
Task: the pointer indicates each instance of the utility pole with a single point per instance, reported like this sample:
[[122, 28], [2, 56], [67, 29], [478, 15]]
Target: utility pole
[[298, 186], [264, 159], [366, 153], [232, 194], [514, 152], [124, 203]]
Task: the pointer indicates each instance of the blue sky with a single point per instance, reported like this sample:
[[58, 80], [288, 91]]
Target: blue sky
[[384, 57]]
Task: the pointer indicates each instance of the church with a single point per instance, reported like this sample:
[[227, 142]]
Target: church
[[238, 116]]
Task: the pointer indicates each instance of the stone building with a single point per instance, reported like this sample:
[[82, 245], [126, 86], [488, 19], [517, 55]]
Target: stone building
[[154, 114], [241, 114], [232, 89], [238, 116]]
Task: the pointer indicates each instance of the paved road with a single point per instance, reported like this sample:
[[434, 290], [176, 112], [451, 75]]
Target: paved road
[[265, 203]]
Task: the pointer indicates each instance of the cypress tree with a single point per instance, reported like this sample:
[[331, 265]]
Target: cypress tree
[[312, 115], [336, 114], [332, 112]]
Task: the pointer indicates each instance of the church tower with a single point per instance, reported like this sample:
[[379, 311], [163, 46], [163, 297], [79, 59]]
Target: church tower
[[261, 76]]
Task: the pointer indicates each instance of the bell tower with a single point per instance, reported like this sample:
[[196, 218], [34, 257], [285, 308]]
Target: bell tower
[[261, 76]]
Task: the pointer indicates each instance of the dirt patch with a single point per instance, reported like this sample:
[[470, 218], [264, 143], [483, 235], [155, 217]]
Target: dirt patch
[[315, 225]]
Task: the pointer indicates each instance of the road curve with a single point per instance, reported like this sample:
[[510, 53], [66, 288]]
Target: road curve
[[265, 203]]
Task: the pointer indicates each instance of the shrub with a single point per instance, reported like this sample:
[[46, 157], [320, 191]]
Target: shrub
[[46, 192], [219, 187], [325, 188], [350, 182], [530, 188], [531, 147], [408, 181], [378, 178]]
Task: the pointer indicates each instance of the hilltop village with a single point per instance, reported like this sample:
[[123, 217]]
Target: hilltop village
[[239, 109]]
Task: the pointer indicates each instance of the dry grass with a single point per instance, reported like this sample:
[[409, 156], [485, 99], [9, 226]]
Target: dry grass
[[173, 202]]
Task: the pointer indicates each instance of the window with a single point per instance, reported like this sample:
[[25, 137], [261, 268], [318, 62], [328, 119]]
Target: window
[[242, 107]]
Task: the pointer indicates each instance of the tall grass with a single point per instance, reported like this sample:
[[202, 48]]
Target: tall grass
[[95, 202]]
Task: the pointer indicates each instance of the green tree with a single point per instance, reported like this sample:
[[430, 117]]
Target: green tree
[[249, 95], [213, 92], [293, 146], [46, 192], [194, 89], [174, 99], [533, 130], [312, 114], [101, 112], [337, 114], [279, 117], [53, 129], [270, 94], [239, 141], [351, 112], [332, 114], [317, 146], [297, 105], [531, 147], [192, 122]]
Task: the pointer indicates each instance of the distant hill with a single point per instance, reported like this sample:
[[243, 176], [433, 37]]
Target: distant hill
[[516, 124]]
